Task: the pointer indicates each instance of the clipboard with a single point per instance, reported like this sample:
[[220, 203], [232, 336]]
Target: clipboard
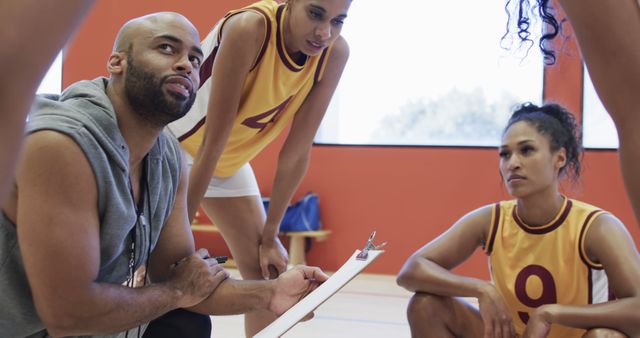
[[351, 268]]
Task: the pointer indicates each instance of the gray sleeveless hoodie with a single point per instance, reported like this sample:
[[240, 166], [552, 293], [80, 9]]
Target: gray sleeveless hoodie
[[84, 113]]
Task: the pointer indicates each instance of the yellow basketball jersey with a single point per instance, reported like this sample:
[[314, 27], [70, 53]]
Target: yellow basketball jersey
[[273, 92], [533, 266]]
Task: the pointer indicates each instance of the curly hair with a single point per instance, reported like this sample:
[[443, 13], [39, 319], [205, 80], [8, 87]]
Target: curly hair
[[524, 12], [559, 125]]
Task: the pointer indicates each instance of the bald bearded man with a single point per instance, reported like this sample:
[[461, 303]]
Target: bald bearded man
[[101, 191]]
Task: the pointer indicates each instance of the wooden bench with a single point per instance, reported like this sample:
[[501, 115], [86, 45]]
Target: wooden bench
[[297, 245]]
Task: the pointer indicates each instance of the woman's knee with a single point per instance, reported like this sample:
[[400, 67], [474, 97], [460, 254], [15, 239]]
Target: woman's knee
[[604, 333], [423, 306], [249, 269]]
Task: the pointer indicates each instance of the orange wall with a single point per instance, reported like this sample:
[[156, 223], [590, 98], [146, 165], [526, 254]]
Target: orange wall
[[86, 55], [408, 194]]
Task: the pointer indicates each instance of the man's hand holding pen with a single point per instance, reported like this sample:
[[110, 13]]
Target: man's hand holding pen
[[196, 276]]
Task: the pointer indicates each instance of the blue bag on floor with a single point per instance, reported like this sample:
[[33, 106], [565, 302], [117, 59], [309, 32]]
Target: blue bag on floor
[[303, 215]]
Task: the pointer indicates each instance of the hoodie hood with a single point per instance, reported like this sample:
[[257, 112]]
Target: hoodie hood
[[84, 104]]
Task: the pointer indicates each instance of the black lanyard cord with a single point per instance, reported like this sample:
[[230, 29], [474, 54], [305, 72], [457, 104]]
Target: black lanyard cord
[[139, 221]]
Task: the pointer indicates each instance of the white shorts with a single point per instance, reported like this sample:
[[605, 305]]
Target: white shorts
[[242, 183]]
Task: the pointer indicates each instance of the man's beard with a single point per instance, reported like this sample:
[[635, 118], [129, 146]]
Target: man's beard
[[144, 93]]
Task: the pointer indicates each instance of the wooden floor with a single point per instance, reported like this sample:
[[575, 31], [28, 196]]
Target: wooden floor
[[369, 306]]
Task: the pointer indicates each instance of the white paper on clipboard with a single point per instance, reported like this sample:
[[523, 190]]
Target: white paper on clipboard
[[340, 278]]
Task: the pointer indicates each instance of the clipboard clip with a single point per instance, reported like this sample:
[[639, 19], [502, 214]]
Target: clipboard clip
[[364, 254]]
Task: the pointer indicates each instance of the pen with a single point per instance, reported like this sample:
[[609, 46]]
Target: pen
[[221, 259]]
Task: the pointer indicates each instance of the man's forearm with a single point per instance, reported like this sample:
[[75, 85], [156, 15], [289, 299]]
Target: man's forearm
[[110, 309], [237, 296]]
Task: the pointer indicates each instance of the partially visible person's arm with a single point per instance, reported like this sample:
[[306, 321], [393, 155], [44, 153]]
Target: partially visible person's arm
[[608, 33], [31, 38], [294, 156], [58, 233], [608, 243], [242, 38], [427, 271]]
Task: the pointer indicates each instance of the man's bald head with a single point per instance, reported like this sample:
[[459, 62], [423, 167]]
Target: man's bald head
[[149, 25], [155, 66]]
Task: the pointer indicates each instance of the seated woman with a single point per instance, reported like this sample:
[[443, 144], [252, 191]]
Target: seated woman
[[553, 260]]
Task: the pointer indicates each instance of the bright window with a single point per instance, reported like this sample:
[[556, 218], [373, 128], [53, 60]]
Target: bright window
[[429, 73], [598, 128], [52, 82]]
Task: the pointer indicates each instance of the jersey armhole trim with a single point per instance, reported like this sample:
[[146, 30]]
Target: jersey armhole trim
[[322, 64], [582, 240], [493, 229], [267, 31], [267, 37]]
